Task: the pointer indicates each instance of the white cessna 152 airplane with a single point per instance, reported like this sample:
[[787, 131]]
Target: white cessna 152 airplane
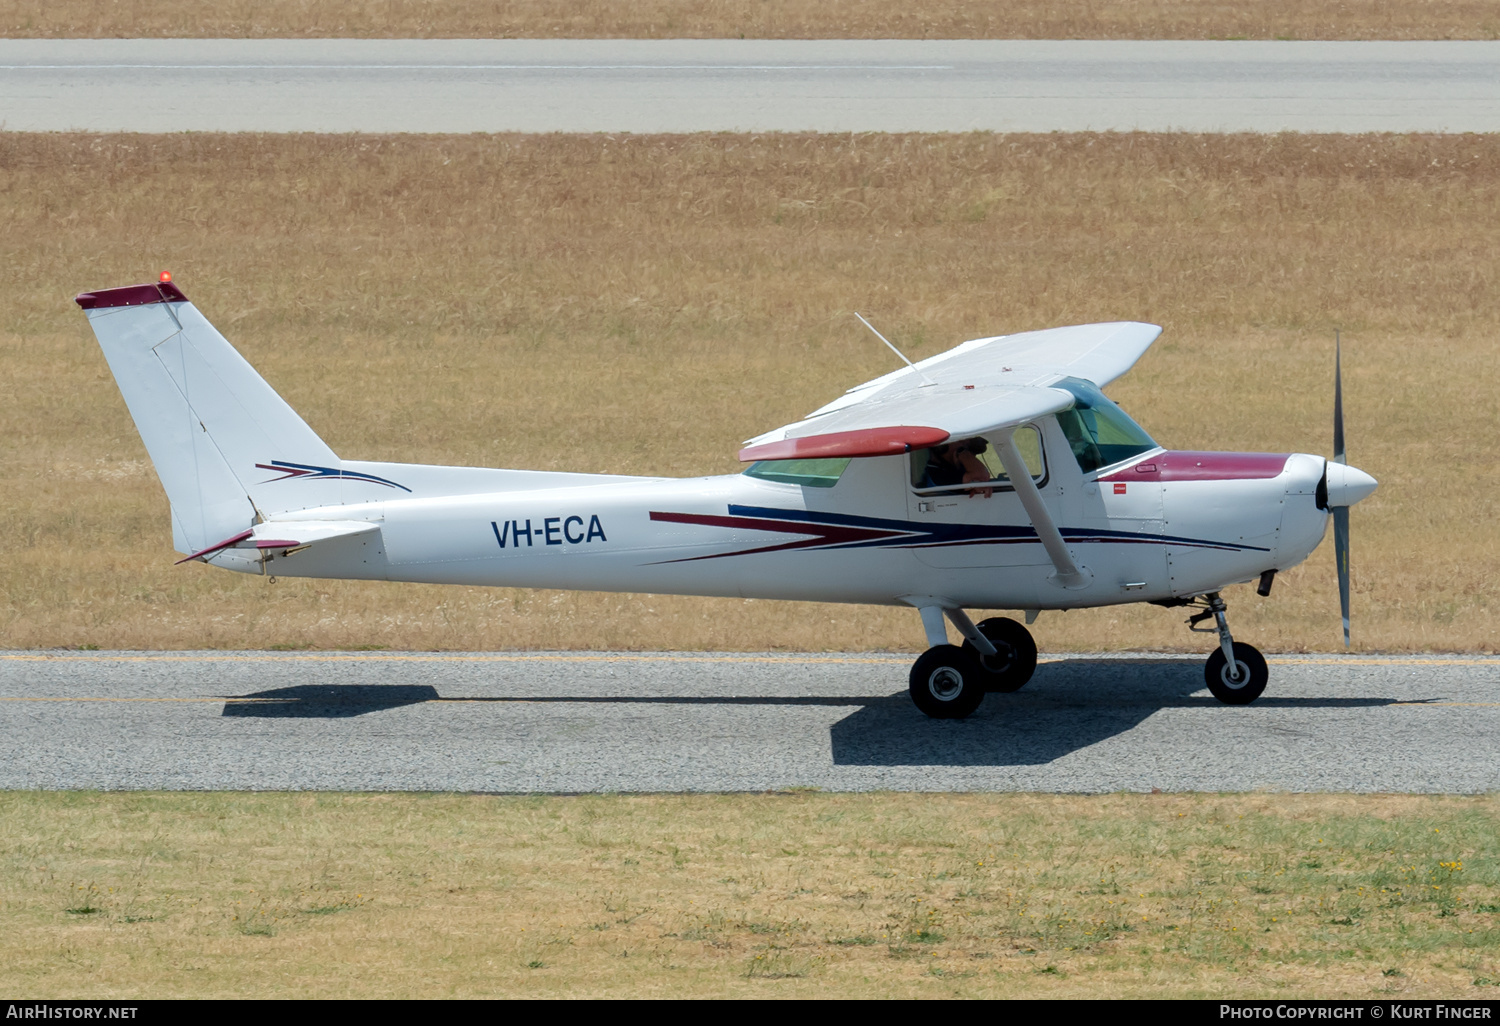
[[995, 475]]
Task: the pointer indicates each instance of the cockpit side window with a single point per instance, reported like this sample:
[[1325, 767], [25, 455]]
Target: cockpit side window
[[808, 473], [1098, 431], [957, 466]]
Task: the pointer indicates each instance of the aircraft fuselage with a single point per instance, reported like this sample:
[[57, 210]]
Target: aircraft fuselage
[[1166, 525]]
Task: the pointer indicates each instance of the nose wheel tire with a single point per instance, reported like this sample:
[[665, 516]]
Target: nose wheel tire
[[1245, 685], [946, 683], [1010, 667]]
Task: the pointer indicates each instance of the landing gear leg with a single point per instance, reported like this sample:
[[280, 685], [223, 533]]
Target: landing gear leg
[[1236, 672], [1226, 640], [946, 682]]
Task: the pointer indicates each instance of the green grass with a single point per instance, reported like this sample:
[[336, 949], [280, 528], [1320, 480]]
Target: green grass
[[785, 894]]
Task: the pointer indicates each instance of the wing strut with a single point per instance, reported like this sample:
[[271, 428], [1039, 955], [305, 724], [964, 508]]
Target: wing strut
[[1069, 574]]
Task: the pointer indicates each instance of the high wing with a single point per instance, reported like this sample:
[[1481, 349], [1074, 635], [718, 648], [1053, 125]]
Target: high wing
[[982, 386]]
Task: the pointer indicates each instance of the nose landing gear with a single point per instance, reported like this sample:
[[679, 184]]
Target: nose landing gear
[[1236, 672]]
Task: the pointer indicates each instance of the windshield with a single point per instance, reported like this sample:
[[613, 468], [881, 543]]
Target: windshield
[[1098, 431], [811, 473]]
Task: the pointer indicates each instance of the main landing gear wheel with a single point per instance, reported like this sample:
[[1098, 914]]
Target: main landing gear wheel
[[1014, 662], [1244, 685], [946, 683]]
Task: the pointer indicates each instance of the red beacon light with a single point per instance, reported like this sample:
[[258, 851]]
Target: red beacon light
[[166, 276]]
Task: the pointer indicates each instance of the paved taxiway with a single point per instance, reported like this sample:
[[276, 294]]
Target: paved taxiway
[[571, 85], [630, 722]]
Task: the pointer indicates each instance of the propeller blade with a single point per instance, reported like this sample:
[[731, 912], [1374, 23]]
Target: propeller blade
[[1341, 557], [1340, 513], [1339, 455]]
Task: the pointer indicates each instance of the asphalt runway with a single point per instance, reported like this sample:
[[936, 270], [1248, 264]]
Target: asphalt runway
[[454, 85], [572, 722]]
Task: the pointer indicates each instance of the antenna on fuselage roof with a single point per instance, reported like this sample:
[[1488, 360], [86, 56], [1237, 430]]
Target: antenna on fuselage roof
[[925, 379]]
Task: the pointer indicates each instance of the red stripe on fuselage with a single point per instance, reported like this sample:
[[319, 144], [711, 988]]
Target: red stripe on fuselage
[[822, 534]]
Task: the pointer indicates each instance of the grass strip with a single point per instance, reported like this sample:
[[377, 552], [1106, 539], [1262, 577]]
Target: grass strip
[[789, 894]]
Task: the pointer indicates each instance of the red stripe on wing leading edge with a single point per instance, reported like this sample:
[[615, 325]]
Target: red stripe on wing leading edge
[[882, 441], [1204, 466], [822, 534]]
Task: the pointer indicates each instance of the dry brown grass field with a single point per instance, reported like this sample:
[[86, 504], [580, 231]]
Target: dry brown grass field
[[641, 304], [765, 19], [268, 895]]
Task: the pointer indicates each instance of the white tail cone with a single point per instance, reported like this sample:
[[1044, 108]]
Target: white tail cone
[[1347, 485]]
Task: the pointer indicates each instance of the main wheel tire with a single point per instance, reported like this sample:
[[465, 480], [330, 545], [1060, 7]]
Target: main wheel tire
[[1252, 675], [946, 684], [1012, 666]]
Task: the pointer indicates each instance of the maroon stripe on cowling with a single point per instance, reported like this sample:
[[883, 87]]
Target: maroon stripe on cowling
[[131, 295], [1204, 466]]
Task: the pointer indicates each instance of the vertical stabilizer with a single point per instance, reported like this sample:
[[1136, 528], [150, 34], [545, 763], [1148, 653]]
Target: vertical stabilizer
[[214, 429]]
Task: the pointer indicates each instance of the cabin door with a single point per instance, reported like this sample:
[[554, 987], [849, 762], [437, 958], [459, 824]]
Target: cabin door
[[975, 523]]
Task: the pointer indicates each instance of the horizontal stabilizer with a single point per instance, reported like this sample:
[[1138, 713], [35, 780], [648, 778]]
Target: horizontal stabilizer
[[289, 534]]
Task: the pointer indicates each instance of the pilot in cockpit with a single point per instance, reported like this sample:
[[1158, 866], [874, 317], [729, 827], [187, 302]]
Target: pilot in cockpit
[[958, 463]]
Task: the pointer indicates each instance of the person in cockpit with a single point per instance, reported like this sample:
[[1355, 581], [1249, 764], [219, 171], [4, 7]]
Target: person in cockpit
[[958, 463]]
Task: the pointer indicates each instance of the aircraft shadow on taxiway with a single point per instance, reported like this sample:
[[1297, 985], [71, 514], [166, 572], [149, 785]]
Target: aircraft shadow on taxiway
[[328, 701], [1069, 705]]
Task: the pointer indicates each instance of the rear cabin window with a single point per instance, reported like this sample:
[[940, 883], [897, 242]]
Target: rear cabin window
[[811, 473], [942, 469], [1098, 431]]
